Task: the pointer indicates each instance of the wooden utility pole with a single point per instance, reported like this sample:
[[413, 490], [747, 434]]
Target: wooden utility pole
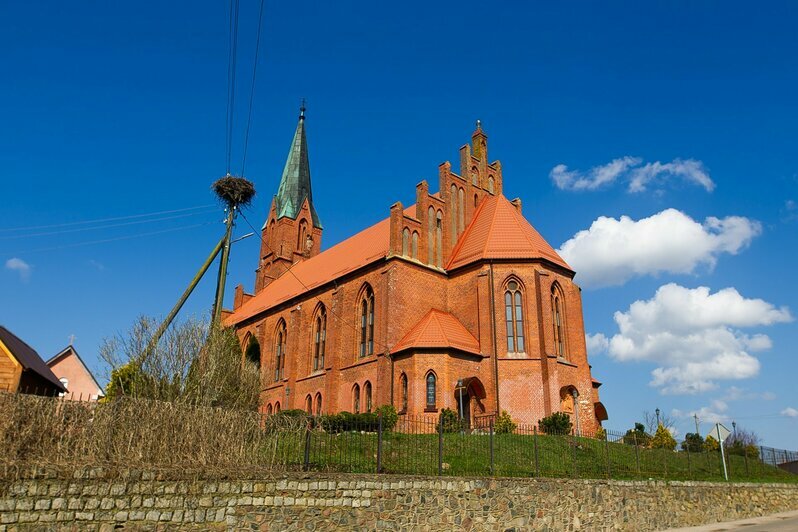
[[217, 304]]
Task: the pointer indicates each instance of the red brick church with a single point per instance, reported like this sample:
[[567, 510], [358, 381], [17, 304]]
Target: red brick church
[[458, 288]]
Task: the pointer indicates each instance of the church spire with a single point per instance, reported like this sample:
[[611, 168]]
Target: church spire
[[295, 183]]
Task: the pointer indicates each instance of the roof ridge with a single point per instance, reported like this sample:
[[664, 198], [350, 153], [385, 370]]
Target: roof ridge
[[463, 236]]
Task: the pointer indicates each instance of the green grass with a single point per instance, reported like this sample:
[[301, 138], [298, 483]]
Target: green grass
[[514, 455]]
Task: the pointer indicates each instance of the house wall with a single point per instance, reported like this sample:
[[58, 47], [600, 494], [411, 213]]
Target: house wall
[[80, 383], [10, 370]]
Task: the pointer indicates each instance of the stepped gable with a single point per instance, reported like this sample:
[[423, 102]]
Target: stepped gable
[[499, 231], [438, 329]]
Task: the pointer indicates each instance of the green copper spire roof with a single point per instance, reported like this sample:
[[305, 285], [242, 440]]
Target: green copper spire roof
[[295, 183]]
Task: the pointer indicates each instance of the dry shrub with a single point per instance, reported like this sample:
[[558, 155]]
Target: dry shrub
[[144, 434]]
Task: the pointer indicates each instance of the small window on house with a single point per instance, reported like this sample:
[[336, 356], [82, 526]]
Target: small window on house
[[431, 390], [403, 391], [277, 407], [318, 404], [319, 338], [269, 409], [309, 405], [367, 323], [405, 242], [514, 317], [431, 236], [414, 251], [439, 240], [558, 319], [460, 211], [474, 176], [490, 184], [453, 203], [356, 398], [279, 351], [367, 393], [252, 351]]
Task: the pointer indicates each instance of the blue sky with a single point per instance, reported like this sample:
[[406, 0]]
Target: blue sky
[[115, 110]]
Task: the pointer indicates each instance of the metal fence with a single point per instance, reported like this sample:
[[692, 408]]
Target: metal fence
[[139, 433]]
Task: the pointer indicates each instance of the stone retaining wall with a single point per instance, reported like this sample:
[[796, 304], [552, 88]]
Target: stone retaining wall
[[324, 501]]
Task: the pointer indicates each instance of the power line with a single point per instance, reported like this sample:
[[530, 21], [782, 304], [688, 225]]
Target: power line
[[252, 89], [102, 220], [307, 289], [106, 226], [127, 237]]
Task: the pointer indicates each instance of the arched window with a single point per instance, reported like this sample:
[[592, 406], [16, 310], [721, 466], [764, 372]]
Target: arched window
[[309, 405], [514, 317], [476, 200], [453, 225], [279, 351], [432, 392], [277, 407], [356, 398], [490, 184], [367, 394], [414, 250], [252, 350], [460, 211], [439, 240], [269, 409], [318, 404], [403, 391], [302, 236], [558, 319], [367, 322], [406, 242], [319, 338], [474, 175], [431, 236]]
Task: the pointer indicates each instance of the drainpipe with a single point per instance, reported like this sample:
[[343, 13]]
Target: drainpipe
[[493, 330]]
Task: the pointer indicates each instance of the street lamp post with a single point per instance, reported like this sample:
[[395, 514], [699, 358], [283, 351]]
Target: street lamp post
[[657, 412]]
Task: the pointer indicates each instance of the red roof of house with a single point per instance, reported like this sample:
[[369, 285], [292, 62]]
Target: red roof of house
[[499, 231], [438, 329]]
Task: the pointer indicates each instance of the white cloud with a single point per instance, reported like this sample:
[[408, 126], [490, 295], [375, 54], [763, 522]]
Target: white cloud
[[693, 336], [733, 393], [595, 178], [20, 266], [612, 251], [630, 169], [596, 344], [789, 412], [712, 413]]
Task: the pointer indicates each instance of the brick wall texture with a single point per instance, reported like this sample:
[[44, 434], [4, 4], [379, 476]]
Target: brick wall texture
[[368, 502]]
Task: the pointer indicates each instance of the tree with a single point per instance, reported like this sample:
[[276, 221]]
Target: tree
[[693, 442], [637, 436], [504, 424], [743, 443], [663, 439], [652, 420], [711, 444], [556, 423]]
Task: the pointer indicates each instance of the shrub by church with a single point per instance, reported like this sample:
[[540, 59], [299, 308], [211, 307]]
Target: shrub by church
[[456, 289]]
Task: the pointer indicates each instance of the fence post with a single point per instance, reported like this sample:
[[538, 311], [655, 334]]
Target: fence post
[[379, 443], [535, 441], [607, 449], [306, 460], [440, 445], [745, 458], [491, 447], [637, 453], [689, 465], [573, 455]]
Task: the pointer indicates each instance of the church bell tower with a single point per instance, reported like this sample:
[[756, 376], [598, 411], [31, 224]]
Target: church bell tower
[[292, 231]]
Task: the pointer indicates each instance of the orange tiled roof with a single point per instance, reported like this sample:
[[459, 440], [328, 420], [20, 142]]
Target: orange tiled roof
[[499, 231], [438, 329]]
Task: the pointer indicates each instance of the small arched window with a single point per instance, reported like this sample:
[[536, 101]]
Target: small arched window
[[460, 211], [269, 409], [474, 176], [277, 407], [414, 249], [367, 394], [318, 404], [279, 351], [309, 405], [403, 391], [319, 338], [514, 317], [302, 236], [453, 203], [431, 236], [367, 322], [356, 398], [439, 240], [558, 319], [432, 392], [406, 242], [252, 351], [490, 184]]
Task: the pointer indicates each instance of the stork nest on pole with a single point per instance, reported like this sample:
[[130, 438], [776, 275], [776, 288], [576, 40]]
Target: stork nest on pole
[[234, 192]]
